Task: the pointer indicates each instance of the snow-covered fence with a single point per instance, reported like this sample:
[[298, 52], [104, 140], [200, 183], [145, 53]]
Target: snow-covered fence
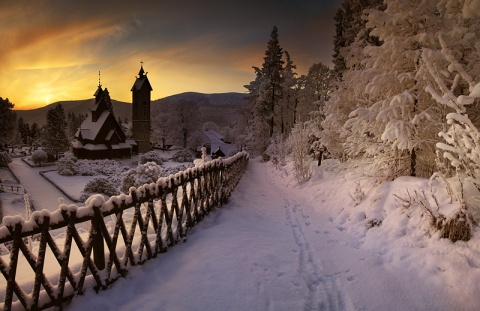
[[76, 248]]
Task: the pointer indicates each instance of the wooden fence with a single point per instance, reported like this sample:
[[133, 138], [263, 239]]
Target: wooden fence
[[52, 257]]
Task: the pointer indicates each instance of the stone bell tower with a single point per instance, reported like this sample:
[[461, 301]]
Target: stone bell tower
[[141, 96]]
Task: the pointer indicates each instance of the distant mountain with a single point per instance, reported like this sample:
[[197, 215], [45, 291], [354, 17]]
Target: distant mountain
[[220, 108], [39, 115]]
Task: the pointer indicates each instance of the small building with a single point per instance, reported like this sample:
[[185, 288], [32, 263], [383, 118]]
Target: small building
[[217, 145], [100, 136]]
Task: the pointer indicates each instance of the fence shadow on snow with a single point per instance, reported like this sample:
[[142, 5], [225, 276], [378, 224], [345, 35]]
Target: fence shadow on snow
[[76, 248]]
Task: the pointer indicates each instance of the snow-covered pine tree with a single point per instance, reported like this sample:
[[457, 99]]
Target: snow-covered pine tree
[[7, 126], [256, 135], [349, 29], [272, 69], [348, 91], [266, 91], [318, 86], [56, 139], [289, 101], [316, 90], [389, 127]]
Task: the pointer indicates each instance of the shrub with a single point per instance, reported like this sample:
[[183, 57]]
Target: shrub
[[142, 174], [151, 156], [299, 145], [67, 166], [184, 155], [98, 167], [147, 173], [4, 159], [100, 185], [39, 156]]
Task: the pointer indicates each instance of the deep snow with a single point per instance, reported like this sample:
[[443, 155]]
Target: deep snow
[[282, 246]]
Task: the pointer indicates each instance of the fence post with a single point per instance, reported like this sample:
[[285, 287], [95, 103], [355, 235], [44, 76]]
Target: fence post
[[98, 246]]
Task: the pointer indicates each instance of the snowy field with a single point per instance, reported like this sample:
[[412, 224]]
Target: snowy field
[[282, 246]]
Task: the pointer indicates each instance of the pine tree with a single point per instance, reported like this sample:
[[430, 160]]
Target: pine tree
[[288, 104], [56, 139], [351, 33], [7, 126], [35, 133], [272, 73], [348, 91], [23, 130]]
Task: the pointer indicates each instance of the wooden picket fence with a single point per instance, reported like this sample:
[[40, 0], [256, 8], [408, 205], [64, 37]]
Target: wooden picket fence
[[52, 257]]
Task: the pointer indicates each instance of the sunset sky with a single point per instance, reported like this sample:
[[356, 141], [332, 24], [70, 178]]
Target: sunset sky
[[53, 50]]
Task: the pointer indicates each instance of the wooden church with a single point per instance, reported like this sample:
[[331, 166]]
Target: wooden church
[[100, 136]]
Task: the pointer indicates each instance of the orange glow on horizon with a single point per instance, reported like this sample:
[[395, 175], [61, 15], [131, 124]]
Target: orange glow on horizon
[[52, 52]]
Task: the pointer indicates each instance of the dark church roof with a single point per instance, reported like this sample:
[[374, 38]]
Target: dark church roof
[[100, 130]]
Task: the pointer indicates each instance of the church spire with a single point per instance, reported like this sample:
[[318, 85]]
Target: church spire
[[99, 90], [141, 73]]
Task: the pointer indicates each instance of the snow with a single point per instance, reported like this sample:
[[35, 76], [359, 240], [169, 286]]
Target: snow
[[475, 91], [278, 245], [281, 245], [43, 194], [471, 8]]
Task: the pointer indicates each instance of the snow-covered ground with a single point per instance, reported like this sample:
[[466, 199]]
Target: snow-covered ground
[[43, 194], [282, 246]]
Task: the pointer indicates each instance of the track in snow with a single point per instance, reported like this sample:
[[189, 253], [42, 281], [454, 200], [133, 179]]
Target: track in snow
[[323, 292]]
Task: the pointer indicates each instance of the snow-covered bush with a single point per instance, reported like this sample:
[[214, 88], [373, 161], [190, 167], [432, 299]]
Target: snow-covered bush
[[454, 72], [147, 173], [100, 185], [151, 156], [4, 159], [277, 150], [184, 155], [299, 145], [67, 166], [99, 167], [142, 174], [39, 156]]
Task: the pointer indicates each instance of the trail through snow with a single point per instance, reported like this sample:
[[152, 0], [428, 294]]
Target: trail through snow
[[43, 194], [270, 248]]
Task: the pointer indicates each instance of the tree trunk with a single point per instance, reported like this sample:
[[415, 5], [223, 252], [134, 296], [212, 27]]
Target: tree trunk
[[413, 162], [320, 155]]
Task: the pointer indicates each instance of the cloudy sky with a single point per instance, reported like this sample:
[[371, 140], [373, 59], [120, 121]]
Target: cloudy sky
[[53, 50]]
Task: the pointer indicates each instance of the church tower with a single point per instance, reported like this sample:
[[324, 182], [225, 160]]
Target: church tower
[[141, 92]]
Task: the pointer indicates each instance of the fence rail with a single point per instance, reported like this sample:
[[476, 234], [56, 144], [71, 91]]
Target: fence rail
[[76, 248]]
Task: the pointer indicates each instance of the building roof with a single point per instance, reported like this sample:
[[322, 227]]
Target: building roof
[[141, 81], [214, 137], [90, 129]]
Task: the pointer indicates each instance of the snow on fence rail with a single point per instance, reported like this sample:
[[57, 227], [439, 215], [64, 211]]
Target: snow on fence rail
[[150, 219]]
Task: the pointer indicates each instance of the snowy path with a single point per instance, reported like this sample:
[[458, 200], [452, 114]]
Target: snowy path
[[43, 194], [268, 249]]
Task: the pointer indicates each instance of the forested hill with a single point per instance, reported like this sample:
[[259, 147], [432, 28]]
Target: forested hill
[[220, 108], [213, 107]]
